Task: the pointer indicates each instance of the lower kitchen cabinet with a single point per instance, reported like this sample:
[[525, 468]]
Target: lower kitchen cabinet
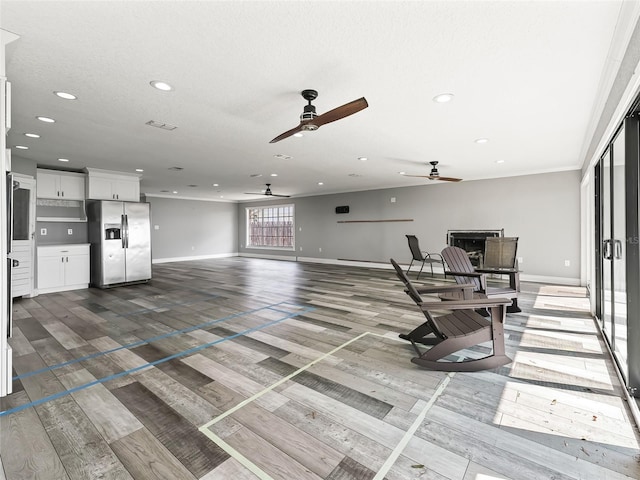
[[63, 267]]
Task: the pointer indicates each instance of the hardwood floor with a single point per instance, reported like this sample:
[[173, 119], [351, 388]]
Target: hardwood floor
[[246, 368]]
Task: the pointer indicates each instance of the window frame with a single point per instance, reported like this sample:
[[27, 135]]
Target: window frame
[[292, 248]]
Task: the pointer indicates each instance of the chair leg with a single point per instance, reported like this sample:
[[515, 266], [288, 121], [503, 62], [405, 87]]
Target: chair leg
[[454, 344], [514, 308], [410, 265], [418, 277]]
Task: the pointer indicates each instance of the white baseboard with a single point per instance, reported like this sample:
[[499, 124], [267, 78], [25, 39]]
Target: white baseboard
[[574, 282], [197, 257], [288, 258]]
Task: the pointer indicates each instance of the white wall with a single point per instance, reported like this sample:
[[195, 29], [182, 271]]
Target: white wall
[[542, 210], [192, 229]]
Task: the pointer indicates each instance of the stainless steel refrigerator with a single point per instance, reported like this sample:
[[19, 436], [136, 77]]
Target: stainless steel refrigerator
[[120, 237]]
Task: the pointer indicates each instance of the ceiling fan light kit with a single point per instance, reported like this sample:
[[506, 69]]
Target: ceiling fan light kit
[[310, 120]]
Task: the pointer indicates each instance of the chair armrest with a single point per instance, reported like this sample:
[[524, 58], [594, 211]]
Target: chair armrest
[[466, 304], [465, 274], [504, 271], [445, 288]]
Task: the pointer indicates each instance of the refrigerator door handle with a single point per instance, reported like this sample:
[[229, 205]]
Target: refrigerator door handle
[[123, 230], [126, 231], [10, 188]]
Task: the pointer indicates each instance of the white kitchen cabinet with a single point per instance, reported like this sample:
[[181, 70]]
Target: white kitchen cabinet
[[63, 267], [60, 185], [106, 185]]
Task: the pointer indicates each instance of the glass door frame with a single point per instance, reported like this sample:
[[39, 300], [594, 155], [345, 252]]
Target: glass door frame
[[630, 371], [632, 264]]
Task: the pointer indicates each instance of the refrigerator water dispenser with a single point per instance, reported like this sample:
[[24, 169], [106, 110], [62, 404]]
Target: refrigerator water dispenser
[[112, 232]]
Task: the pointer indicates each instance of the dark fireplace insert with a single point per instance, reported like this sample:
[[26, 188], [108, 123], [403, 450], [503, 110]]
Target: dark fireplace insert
[[473, 242]]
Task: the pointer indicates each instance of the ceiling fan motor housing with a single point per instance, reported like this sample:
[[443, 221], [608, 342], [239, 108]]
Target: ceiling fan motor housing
[[308, 114]]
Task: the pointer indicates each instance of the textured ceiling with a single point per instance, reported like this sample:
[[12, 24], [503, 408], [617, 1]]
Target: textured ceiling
[[525, 74]]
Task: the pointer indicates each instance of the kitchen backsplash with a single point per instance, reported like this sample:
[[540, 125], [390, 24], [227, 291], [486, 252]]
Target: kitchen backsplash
[[58, 233]]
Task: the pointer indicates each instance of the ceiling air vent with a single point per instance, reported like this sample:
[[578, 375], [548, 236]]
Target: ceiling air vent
[[164, 126]]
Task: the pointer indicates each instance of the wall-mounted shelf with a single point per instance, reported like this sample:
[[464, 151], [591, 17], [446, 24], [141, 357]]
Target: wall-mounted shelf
[[377, 221]]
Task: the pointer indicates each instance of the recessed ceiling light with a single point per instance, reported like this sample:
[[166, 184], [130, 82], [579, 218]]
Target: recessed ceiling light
[[402, 173], [175, 191], [63, 159], [443, 98], [298, 135], [499, 161], [22, 147], [274, 174], [65, 95], [139, 170], [216, 185], [482, 140], [362, 159], [32, 135], [221, 196], [46, 119], [320, 183], [165, 87]]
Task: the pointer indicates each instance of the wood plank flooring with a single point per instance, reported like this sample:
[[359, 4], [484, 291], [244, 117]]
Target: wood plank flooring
[[248, 368]]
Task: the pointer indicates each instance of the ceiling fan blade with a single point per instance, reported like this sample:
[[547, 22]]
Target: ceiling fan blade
[[448, 179], [288, 133], [276, 195], [341, 112], [436, 177]]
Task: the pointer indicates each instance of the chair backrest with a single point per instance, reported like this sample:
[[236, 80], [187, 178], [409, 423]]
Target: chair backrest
[[414, 247], [415, 296], [458, 261], [411, 290], [500, 252]]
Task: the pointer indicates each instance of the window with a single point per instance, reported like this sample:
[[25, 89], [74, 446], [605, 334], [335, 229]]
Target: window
[[270, 227]]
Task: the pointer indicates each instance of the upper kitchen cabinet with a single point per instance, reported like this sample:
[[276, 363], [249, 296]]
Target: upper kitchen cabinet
[[60, 185], [107, 185]]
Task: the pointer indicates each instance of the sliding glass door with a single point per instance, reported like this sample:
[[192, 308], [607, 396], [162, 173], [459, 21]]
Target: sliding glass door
[[617, 267]]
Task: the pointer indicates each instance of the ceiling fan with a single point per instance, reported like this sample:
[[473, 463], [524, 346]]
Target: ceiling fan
[[310, 120], [435, 175], [267, 192]]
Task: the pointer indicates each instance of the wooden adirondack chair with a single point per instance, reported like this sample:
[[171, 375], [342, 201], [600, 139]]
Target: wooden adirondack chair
[[460, 267], [452, 332]]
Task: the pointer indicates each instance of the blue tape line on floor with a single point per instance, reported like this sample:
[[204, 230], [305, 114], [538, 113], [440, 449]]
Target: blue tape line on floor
[[150, 364], [143, 341]]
